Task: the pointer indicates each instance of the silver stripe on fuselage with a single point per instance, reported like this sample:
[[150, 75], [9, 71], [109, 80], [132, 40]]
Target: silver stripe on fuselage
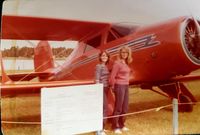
[[135, 45]]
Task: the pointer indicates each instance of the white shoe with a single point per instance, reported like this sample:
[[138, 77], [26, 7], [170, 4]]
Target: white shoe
[[100, 133], [105, 130], [97, 133], [103, 133], [118, 131], [125, 129]]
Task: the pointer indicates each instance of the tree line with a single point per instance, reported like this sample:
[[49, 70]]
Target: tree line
[[28, 52]]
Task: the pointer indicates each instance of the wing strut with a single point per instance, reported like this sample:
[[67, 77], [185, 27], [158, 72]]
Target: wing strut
[[5, 78]]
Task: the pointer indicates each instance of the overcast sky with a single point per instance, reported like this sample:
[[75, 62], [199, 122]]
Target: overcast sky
[[137, 11], [131, 11]]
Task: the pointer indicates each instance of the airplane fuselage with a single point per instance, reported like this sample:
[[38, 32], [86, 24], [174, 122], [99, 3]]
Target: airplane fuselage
[[159, 53]]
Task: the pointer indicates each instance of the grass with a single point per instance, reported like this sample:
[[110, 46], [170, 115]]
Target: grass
[[27, 108]]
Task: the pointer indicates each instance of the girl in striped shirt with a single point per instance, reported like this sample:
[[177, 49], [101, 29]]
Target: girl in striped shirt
[[102, 76]]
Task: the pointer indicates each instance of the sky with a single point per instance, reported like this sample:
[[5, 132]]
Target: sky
[[142, 12], [132, 11]]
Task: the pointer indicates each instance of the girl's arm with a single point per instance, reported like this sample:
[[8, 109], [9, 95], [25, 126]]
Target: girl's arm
[[97, 73], [113, 74]]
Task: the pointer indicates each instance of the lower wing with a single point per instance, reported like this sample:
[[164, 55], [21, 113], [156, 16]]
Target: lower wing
[[35, 87]]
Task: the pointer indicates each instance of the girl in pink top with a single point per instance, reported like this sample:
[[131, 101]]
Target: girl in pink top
[[119, 81]]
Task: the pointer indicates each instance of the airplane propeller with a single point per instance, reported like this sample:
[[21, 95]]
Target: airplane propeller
[[193, 34], [197, 36], [192, 37]]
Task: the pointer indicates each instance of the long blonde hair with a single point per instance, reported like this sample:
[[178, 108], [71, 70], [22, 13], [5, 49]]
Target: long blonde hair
[[128, 50]]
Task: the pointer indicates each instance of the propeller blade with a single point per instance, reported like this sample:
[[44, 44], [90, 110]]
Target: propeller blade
[[197, 26]]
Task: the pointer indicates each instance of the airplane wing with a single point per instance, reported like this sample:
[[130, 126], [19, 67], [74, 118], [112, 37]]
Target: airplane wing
[[28, 76], [35, 87], [186, 78], [35, 28]]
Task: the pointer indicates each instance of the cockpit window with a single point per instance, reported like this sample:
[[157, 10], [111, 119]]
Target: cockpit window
[[124, 29], [95, 42], [110, 37], [88, 48]]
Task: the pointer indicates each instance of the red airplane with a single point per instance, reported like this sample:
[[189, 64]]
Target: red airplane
[[164, 54]]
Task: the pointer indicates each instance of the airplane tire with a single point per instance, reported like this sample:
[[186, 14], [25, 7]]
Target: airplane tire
[[185, 107]]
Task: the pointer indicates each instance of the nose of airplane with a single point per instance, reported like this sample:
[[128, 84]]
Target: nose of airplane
[[192, 40]]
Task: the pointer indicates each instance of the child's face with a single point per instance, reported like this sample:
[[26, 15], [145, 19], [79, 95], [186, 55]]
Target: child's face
[[124, 54], [104, 58]]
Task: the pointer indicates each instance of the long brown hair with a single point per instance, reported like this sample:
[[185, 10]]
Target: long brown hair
[[100, 54]]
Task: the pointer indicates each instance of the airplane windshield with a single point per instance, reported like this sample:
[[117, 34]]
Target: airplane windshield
[[95, 42], [124, 29], [88, 48]]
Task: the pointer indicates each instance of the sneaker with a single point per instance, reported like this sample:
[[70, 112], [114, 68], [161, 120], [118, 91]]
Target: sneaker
[[100, 133], [117, 131], [105, 130], [125, 129], [103, 133]]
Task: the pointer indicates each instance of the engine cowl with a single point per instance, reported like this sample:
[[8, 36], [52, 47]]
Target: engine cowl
[[177, 51]]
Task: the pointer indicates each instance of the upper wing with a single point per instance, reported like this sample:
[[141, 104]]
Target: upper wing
[[35, 28]]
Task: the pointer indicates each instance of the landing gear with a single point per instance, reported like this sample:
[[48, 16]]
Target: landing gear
[[185, 103], [184, 96]]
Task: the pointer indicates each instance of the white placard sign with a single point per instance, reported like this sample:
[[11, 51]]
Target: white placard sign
[[72, 109]]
